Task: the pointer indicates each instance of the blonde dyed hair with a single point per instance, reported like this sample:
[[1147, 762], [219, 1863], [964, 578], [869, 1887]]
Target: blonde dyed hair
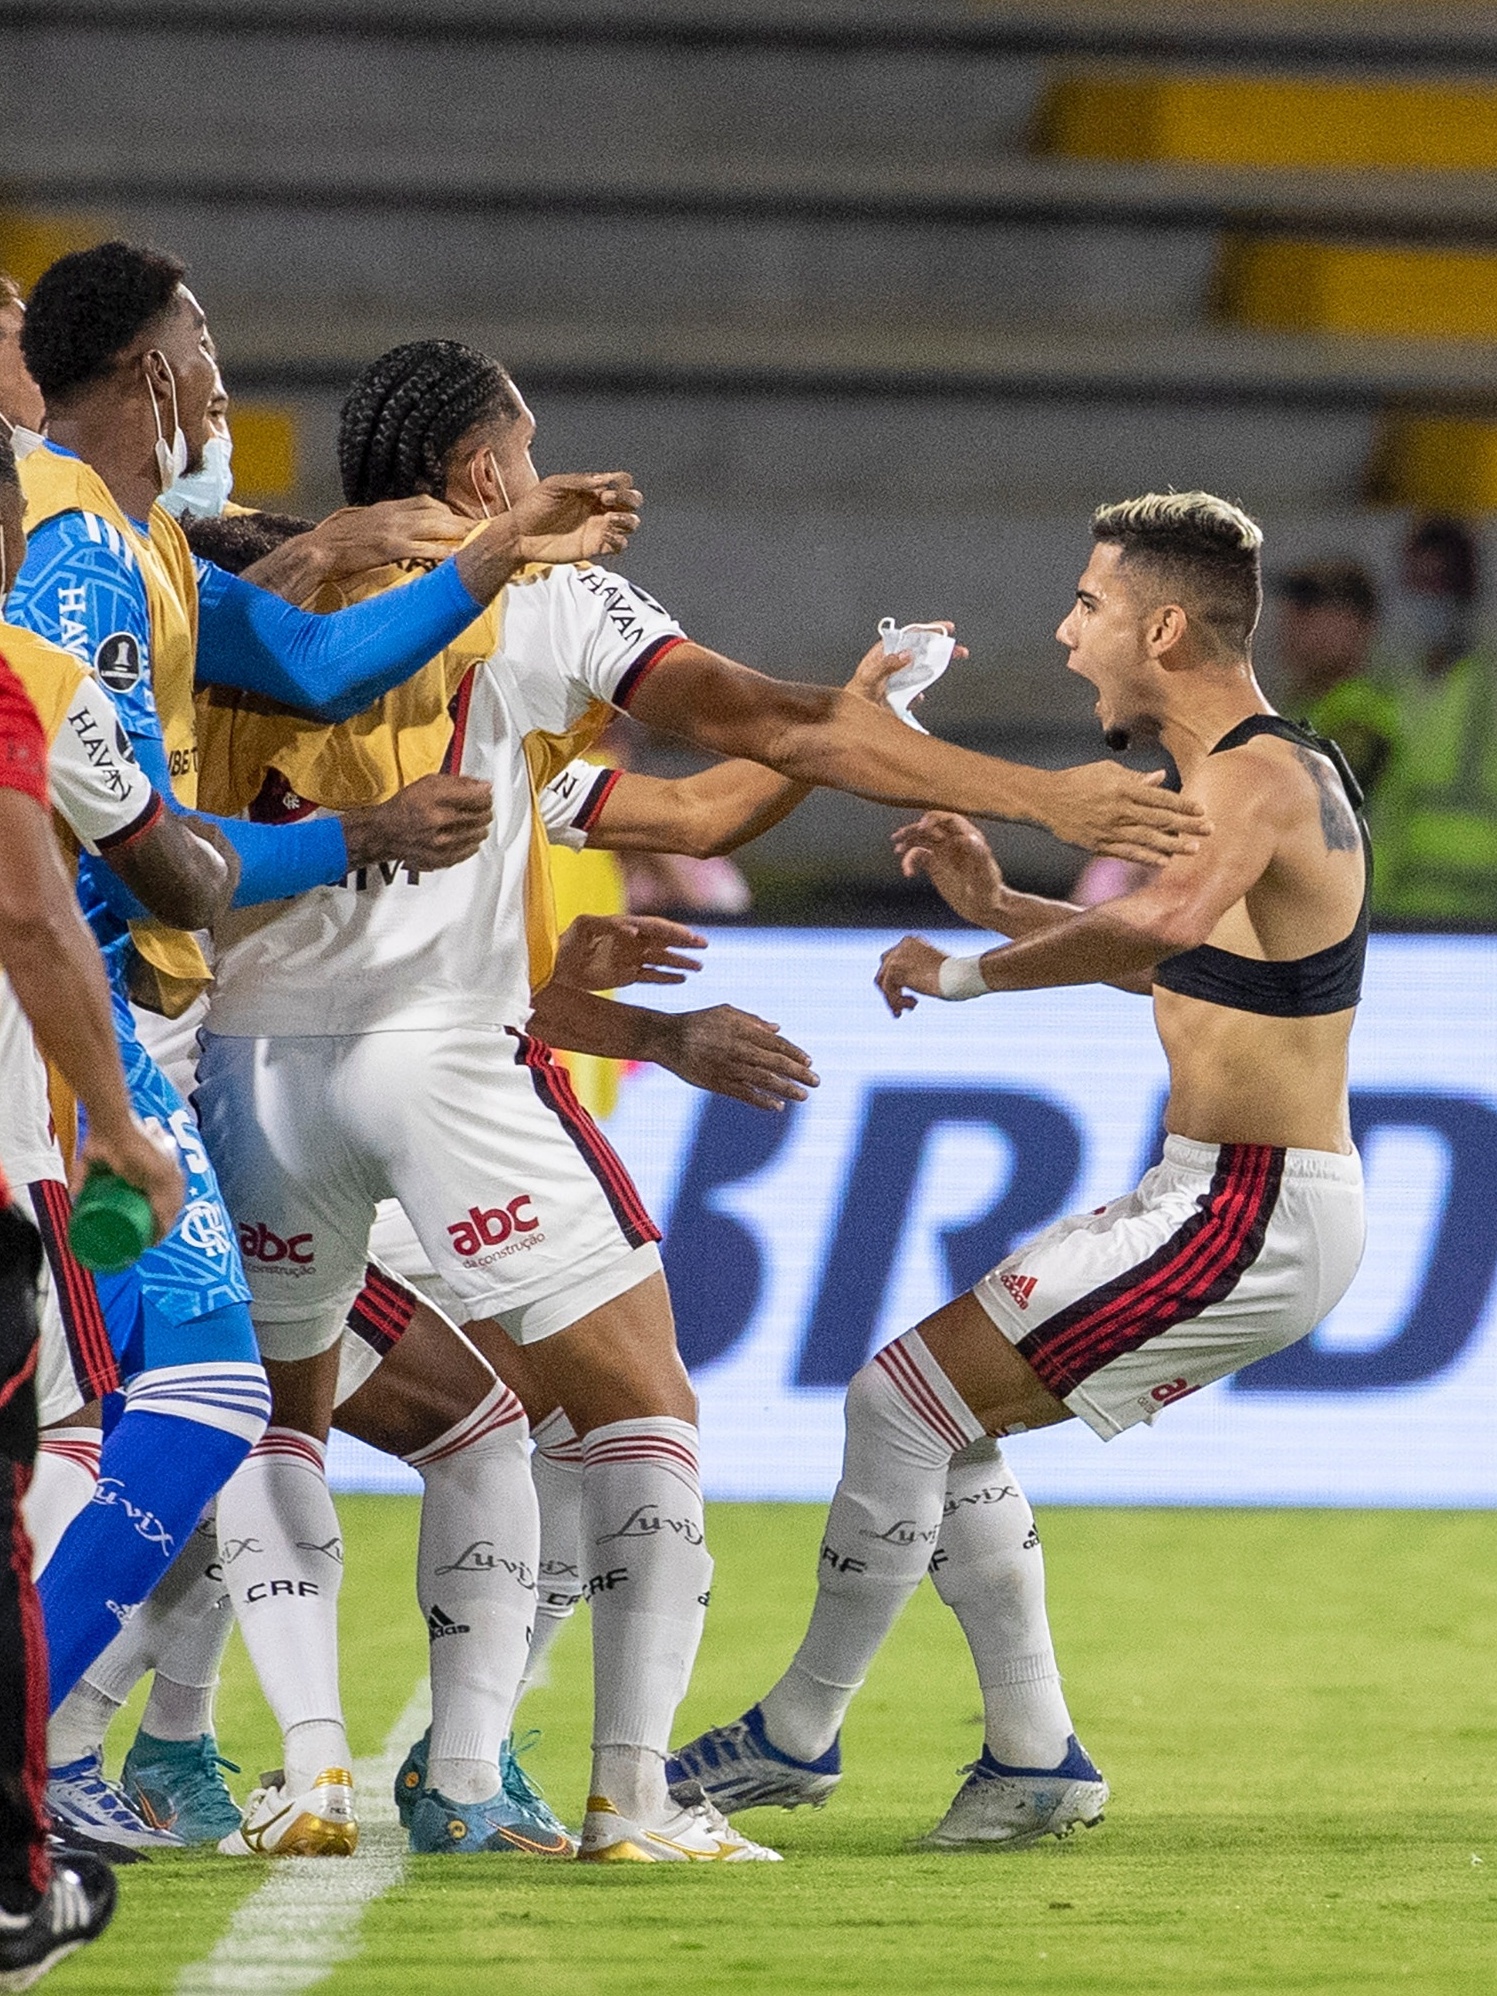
[[1195, 549]]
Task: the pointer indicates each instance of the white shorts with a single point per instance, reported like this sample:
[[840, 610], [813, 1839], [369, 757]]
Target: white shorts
[[1224, 1254], [524, 1211], [75, 1362]]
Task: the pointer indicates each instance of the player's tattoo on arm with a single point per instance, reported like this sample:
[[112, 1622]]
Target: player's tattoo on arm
[[1337, 824]]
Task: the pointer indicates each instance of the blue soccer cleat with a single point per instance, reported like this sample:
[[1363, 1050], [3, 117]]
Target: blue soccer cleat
[[737, 1767], [1010, 1808], [519, 1787], [410, 1782], [180, 1783], [81, 1801], [498, 1824]]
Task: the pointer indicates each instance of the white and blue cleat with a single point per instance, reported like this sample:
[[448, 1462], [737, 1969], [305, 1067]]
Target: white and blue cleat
[[1011, 1808], [737, 1767], [98, 1814]]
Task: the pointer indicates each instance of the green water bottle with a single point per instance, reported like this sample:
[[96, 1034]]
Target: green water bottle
[[112, 1223]]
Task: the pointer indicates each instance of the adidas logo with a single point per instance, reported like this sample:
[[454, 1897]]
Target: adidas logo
[[1020, 1287], [439, 1623]]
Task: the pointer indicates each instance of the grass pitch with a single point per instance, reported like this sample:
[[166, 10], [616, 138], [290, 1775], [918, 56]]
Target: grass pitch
[[1297, 1712]]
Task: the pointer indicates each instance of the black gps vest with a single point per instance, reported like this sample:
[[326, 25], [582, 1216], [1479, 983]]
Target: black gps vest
[[1301, 987]]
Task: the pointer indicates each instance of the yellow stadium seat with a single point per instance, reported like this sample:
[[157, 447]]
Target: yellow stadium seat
[[1307, 287], [265, 450], [1444, 464], [29, 243], [1272, 122]]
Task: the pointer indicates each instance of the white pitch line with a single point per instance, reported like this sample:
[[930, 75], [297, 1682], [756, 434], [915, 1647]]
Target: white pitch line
[[305, 1918]]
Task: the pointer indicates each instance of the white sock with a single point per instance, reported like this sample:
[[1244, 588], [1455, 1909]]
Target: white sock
[[79, 1724], [905, 1421], [179, 1632], [556, 1469], [989, 1570], [475, 1581], [282, 1557], [647, 1572], [63, 1481]]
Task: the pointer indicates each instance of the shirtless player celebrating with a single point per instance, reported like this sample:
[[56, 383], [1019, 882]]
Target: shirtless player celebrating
[[1244, 1237]]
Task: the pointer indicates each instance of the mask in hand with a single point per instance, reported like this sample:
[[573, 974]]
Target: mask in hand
[[207, 490]]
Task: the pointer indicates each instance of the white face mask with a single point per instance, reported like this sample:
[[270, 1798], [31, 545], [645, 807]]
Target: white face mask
[[22, 441], [207, 490], [171, 458]]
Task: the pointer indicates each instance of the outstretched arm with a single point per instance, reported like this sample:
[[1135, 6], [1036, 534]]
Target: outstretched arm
[[719, 809], [334, 666], [1121, 941], [721, 1049], [823, 735]]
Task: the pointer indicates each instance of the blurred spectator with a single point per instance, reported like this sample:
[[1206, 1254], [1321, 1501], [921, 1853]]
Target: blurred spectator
[[1435, 817], [1327, 623]]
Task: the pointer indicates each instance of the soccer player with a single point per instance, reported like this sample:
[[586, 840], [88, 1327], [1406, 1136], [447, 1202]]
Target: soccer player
[[1240, 1241], [48, 1907], [120, 350], [383, 1027]]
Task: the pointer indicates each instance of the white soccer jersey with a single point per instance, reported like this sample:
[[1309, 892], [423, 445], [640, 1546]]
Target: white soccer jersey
[[569, 804], [101, 792], [390, 949]]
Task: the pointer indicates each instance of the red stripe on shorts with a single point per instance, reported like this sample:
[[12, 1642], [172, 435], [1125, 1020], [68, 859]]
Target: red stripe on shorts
[[1199, 1265], [553, 1086], [95, 1367]]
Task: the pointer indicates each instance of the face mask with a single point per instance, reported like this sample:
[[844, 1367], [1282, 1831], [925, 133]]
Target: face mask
[[171, 458], [22, 441], [205, 491]]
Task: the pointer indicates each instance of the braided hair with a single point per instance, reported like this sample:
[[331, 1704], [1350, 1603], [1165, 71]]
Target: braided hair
[[408, 411]]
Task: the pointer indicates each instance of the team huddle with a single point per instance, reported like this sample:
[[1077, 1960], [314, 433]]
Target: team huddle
[[309, 773]]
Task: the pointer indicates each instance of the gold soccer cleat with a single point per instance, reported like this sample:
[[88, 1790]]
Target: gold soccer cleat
[[320, 1823]]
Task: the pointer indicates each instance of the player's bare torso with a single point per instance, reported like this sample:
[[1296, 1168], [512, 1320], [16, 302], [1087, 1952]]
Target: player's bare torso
[[1243, 1077]]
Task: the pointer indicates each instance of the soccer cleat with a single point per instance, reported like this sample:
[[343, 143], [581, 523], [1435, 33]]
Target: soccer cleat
[[1010, 1808], [410, 1785], [320, 1823], [180, 1782], [83, 1804], [438, 1824], [76, 1907], [693, 1832], [736, 1767], [522, 1791], [410, 1782]]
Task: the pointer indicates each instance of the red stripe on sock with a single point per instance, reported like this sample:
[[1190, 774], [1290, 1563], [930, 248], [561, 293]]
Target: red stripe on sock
[[918, 1394], [34, 1690]]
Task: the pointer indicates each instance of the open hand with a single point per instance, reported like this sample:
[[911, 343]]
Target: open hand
[[606, 952], [733, 1053], [1111, 810], [573, 517], [957, 860], [912, 966]]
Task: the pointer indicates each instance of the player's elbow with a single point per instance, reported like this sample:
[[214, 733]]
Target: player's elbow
[[1175, 927]]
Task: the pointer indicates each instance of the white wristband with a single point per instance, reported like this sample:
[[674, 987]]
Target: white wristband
[[961, 977]]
